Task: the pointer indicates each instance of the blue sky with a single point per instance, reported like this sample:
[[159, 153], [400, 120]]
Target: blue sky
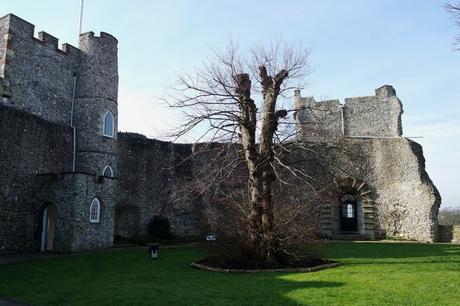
[[357, 46]]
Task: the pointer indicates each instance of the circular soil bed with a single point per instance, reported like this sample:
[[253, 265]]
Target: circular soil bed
[[316, 265]]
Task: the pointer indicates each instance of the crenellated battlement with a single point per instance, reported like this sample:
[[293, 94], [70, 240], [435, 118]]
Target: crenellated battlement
[[102, 36], [18, 28], [69, 49], [48, 40], [41, 76], [368, 116], [59, 118]]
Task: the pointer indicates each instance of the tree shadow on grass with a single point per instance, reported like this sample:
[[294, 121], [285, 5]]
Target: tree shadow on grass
[[131, 278], [265, 289], [308, 286]]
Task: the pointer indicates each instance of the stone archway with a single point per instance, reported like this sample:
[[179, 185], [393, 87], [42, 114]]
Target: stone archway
[[330, 214]]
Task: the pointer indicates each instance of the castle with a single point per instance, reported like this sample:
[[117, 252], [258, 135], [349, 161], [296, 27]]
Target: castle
[[71, 182]]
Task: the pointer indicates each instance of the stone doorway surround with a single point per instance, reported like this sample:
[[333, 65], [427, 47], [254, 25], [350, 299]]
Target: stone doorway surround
[[332, 196]]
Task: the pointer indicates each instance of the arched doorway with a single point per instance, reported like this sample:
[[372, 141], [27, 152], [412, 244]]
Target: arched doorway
[[49, 217], [348, 210], [349, 215]]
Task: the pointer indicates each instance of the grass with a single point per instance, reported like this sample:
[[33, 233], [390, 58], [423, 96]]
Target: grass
[[372, 274]]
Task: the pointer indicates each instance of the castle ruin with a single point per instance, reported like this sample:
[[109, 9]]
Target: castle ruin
[[71, 182]]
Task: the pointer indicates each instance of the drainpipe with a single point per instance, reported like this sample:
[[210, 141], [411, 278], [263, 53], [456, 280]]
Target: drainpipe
[[74, 147], [74, 129]]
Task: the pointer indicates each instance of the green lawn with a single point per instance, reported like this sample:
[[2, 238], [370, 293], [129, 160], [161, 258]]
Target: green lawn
[[372, 274]]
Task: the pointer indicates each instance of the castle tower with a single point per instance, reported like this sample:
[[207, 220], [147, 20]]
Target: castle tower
[[95, 109]]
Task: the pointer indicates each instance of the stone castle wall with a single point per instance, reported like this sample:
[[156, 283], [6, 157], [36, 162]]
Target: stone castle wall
[[371, 116], [39, 78], [357, 143], [72, 194], [96, 94], [48, 85], [148, 172], [35, 167], [408, 201], [40, 75], [29, 146], [366, 134]]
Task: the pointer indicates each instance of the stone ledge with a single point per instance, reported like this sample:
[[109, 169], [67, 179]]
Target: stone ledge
[[289, 270]]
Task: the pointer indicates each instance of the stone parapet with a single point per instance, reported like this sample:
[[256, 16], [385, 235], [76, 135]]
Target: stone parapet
[[365, 117]]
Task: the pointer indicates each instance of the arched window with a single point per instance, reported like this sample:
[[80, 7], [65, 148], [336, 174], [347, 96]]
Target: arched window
[[108, 171], [348, 208], [350, 211], [108, 124], [94, 211], [349, 214]]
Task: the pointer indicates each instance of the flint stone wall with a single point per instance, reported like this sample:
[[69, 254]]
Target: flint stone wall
[[149, 171], [408, 200], [318, 121], [372, 116], [40, 75], [368, 130], [72, 195], [37, 78], [96, 94], [404, 199], [378, 116], [29, 146], [78, 191], [95, 151]]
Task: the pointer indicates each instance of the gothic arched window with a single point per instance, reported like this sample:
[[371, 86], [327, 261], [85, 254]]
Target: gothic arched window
[[94, 211], [108, 171], [108, 124]]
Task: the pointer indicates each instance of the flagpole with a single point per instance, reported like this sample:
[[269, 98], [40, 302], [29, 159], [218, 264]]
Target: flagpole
[[81, 17]]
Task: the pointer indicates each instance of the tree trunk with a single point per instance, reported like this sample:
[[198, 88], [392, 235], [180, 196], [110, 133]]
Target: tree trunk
[[248, 117], [259, 162]]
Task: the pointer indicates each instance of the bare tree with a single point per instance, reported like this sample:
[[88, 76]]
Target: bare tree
[[454, 9], [236, 104]]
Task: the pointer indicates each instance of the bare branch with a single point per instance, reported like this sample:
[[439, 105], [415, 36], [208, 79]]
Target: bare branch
[[233, 102]]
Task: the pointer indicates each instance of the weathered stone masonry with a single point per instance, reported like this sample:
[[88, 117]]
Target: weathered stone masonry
[[29, 145], [65, 93], [385, 172], [149, 170], [52, 107]]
